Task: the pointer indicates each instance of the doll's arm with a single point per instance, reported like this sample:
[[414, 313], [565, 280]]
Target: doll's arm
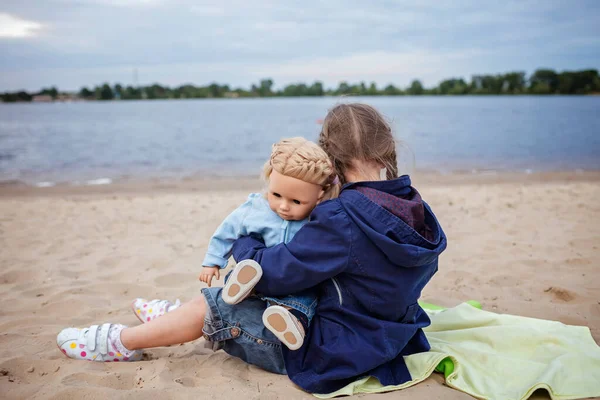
[[221, 243], [208, 273]]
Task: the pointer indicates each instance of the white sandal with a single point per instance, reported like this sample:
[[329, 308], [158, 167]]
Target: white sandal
[[92, 344], [243, 278], [285, 326], [147, 310]]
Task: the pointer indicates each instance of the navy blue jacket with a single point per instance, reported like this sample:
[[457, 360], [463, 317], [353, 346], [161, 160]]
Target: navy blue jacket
[[369, 267]]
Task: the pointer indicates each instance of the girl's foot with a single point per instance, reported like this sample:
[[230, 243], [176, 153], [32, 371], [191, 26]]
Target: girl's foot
[[243, 278], [96, 343], [285, 326], [147, 310]]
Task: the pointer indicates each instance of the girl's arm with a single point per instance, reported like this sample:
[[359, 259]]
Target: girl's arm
[[319, 251], [232, 227]]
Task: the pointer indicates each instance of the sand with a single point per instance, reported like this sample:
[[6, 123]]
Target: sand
[[520, 244]]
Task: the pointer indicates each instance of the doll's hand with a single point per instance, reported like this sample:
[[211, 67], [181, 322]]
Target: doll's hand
[[207, 274]]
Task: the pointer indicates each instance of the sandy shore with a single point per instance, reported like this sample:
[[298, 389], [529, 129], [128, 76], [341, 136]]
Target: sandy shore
[[521, 244]]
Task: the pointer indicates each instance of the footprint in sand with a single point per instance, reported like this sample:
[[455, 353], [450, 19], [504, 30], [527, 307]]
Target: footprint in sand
[[505, 281], [560, 294], [118, 381], [172, 280], [577, 261], [110, 261], [17, 276], [187, 381]]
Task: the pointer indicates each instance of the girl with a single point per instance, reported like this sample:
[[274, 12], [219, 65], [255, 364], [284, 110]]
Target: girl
[[299, 175], [369, 252]]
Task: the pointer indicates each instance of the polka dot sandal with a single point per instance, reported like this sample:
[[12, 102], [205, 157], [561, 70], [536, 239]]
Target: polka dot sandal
[[243, 278], [92, 344], [147, 310]]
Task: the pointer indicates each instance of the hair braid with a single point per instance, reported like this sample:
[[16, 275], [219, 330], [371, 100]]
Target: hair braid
[[302, 159], [358, 132]]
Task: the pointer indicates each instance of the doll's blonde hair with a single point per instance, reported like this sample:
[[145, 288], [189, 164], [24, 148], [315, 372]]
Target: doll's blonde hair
[[302, 159]]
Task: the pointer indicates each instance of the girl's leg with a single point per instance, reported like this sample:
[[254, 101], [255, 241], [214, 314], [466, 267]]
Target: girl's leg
[[178, 326], [115, 342]]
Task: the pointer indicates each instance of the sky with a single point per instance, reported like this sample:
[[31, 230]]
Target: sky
[[76, 43]]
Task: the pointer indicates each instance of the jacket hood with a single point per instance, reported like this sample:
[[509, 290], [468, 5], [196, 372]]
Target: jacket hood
[[378, 208]]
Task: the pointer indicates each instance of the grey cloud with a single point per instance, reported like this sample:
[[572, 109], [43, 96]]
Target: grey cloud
[[116, 35]]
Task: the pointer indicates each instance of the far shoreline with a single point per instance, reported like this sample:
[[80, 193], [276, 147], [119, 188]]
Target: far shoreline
[[209, 183], [325, 96]]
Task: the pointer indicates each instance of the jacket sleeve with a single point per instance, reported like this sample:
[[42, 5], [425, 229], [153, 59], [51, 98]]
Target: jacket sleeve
[[221, 243], [319, 251]]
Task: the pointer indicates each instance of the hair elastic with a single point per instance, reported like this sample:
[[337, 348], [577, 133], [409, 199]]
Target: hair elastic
[[383, 174]]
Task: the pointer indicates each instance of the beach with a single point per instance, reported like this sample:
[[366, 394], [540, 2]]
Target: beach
[[523, 244]]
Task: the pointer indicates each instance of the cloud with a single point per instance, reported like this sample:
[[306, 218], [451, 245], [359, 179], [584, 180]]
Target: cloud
[[382, 67], [123, 3], [208, 11], [14, 27], [85, 42]]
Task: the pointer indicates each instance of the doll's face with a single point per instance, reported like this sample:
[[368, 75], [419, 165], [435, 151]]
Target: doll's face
[[292, 199]]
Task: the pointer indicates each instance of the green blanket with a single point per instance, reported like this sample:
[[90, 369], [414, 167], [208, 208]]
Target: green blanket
[[500, 356]]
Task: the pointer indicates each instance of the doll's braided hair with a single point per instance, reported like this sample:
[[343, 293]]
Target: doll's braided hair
[[302, 159]]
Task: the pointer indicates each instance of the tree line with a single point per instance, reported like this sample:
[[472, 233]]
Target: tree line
[[541, 82]]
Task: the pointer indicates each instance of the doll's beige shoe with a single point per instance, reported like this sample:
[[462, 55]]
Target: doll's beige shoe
[[285, 326], [242, 280]]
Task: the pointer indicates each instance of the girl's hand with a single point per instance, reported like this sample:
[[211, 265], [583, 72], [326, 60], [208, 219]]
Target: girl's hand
[[207, 274]]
